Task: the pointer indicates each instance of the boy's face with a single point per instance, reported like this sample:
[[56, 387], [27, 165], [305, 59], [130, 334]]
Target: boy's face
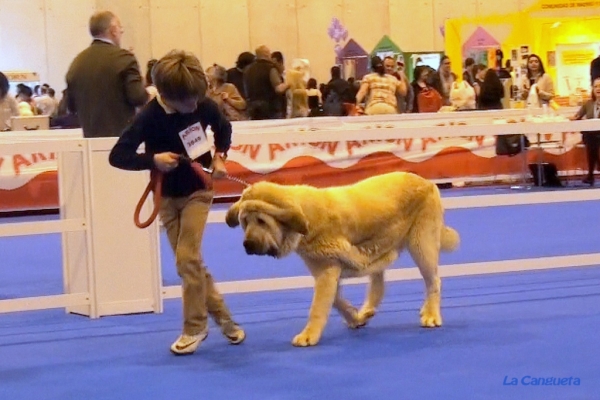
[[186, 106]]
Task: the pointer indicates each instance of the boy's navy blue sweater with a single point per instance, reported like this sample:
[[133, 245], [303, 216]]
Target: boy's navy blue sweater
[[159, 131]]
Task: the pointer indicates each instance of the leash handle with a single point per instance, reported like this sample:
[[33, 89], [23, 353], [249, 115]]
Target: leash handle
[[155, 185]]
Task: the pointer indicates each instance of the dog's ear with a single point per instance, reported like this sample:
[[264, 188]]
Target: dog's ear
[[294, 218], [232, 219], [288, 213]]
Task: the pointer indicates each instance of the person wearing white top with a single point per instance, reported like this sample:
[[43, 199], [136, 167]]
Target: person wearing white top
[[8, 105], [46, 104]]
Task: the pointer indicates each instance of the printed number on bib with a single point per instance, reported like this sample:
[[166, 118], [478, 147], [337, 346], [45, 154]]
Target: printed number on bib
[[195, 141]]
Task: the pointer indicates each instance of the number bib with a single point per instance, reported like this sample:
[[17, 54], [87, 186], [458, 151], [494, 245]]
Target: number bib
[[195, 141]]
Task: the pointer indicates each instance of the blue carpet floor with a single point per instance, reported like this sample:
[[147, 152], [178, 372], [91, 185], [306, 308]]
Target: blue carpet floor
[[496, 327], [539, 324]]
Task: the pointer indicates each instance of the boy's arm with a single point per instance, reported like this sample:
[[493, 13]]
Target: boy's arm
[[124, 154], [221, 128]]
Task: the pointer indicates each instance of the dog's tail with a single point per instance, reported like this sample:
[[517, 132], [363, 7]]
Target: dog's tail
[[450, 239]]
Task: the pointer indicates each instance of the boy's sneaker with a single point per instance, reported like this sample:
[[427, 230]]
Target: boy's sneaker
[[233, 332], [187, 344]]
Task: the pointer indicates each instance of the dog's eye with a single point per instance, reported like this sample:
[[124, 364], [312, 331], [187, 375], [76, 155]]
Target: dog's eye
[[260, 221]]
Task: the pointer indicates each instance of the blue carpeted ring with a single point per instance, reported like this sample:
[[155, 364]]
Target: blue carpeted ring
[[497, 327]]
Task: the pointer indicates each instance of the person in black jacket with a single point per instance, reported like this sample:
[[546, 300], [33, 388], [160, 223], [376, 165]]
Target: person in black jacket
[[104, 83], [235, 75], [589, 110], [265, 90], [174, 124], [336, 93], [491, 92]]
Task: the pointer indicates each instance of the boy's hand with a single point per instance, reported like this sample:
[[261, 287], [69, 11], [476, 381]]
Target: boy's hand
[[218, 165], [166, 162]]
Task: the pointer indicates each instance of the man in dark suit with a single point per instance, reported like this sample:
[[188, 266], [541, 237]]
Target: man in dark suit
[[104, 84], [595, 69]]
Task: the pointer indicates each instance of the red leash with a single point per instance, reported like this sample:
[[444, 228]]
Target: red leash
[[155, 185]]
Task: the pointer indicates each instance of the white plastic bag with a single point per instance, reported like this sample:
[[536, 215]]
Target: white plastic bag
[[462, 96], [533, 100]]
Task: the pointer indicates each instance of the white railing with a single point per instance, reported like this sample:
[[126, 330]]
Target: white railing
[[120, 264], [77, 223]]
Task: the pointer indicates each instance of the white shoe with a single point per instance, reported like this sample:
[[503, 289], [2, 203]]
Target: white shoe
[[233, 332], [187, 344]]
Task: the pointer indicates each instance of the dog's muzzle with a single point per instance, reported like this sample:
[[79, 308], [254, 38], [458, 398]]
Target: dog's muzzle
[[253, 248]]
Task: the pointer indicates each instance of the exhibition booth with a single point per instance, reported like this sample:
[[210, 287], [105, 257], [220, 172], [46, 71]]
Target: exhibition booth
[[563, 34]]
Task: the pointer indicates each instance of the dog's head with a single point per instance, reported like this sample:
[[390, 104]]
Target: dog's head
[[272, 221]]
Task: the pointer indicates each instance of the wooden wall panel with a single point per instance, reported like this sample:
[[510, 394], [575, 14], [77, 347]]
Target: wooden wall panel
[[367, 21], [44, 35], [67, 34], [274, 24], [314, 43], [175, 25], [411, 24], [23, 36], [447, 9], [224, 31]]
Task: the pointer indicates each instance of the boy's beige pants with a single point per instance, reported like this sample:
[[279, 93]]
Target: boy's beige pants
[[184, 219]]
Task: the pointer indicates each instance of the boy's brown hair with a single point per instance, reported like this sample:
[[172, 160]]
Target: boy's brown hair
[[179, 76]]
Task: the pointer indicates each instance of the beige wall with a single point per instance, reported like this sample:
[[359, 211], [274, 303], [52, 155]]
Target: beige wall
[[45, 35]]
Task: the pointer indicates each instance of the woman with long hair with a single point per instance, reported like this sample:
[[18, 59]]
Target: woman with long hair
[[491, 92], [536, 75], [591, 109], [443, 79], [479, 71], [379, 89], [425, 95]]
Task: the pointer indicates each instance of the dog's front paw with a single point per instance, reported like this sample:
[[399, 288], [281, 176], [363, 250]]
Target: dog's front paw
[[308, 337], [430, 315]]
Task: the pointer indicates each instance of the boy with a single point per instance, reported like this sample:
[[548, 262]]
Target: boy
[[174, 124]]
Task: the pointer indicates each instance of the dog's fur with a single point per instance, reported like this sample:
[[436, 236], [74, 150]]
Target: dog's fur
[[349, 231]]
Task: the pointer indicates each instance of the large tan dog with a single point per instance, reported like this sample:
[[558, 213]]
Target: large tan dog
[[349, 231]]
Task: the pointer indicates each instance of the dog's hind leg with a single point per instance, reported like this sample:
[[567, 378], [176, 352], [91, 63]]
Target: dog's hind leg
[[424, 247], [347, 310], [326, 287], [376, 288], [373, 299]]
